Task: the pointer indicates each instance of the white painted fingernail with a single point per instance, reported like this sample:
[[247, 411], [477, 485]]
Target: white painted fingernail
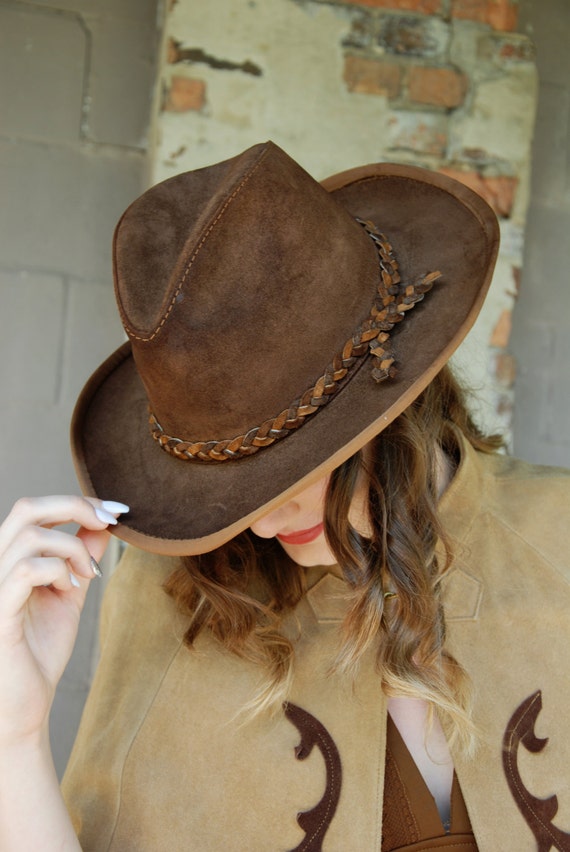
[[105, 517], [74, 581], [113, 506], [96, 568]]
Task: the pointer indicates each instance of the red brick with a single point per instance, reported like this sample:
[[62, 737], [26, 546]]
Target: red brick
[[498, 192], [506, 48], [502, 331], [419, 132], [517, 276], [504, 406], [517, 51], [501, 192], [372, 76], [185, 94], [505, 370], [172, 51], [412, 35], [499, 14], [437, 86], [428, 7]]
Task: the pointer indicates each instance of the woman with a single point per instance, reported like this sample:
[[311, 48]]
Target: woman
[[333, 629]]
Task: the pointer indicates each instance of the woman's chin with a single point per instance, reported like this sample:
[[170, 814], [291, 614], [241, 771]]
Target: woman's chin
[[307, 555]]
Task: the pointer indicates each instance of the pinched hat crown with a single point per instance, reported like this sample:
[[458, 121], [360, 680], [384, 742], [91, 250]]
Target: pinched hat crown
[[258, 278], [252, 295]]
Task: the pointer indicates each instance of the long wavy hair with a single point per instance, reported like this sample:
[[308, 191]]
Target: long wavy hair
[[242, 591]]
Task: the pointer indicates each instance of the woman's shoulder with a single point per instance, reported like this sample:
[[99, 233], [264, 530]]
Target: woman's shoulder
[[501, 505], [522, 490], [139, 567], [135, 592], [503, 483], [511, 471], [531, 503]]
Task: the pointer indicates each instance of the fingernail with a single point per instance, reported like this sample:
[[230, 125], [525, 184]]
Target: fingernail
[[96, 568], [105, 517], [74, 581], [113, 506]]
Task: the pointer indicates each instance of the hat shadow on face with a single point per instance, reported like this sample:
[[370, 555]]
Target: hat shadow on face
[[237, 284]]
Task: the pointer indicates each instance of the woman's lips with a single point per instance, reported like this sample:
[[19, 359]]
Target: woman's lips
[[301, 536]]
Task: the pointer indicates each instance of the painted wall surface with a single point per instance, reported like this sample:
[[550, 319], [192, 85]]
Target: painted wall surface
[[541, 322], [76, 83], [445, 85]]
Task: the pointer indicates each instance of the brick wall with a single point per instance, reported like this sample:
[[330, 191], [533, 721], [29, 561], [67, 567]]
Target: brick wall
[[445, 84]]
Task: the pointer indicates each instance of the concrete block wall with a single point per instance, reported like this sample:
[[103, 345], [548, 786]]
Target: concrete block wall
[[541, 322], [76, 89], [445, 84]]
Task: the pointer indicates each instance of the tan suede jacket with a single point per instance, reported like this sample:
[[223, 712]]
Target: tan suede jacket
[[164, 761]]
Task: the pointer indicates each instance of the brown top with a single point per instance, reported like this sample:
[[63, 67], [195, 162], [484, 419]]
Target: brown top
[[410, 819]]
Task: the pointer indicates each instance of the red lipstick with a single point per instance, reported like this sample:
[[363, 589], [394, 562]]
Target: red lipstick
[[301, 536]]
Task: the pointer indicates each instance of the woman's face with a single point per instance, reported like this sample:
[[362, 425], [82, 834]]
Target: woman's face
[[298, 524]]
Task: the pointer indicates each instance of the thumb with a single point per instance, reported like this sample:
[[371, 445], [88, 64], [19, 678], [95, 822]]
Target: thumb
[[95, 541]]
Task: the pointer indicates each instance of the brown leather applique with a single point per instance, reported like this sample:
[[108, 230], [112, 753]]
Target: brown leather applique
[[315, 823], [538, 813]]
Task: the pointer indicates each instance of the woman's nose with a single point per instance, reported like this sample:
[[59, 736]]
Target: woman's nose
[[273, 522]]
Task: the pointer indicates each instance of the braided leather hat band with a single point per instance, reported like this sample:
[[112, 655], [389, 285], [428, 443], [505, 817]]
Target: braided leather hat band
[[372, 337]]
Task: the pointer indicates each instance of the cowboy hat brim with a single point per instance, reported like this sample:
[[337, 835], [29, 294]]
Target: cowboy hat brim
[[187, 507]]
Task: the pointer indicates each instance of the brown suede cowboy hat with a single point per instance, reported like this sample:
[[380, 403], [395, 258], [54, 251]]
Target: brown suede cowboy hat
[[276, 325]]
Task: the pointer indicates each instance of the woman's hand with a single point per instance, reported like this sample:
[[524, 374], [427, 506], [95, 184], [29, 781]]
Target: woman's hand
[[44, 577]]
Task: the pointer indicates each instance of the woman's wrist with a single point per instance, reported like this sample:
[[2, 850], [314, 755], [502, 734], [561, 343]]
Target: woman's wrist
[[32, 811]]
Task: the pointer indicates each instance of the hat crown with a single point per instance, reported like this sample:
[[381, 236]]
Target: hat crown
[[237, 284]]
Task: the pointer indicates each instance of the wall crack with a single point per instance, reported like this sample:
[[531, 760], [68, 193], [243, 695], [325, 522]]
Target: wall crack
[[195, 55]]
